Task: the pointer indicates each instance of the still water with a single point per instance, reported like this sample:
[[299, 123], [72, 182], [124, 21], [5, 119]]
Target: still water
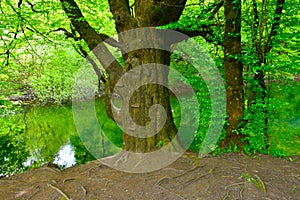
[[35, 135]]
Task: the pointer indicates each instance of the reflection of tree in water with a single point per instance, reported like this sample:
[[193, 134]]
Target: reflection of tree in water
[[13, 152], [37, 134], [48, 128], [99, 141], [82, 155]]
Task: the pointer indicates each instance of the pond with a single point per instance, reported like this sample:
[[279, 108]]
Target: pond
[[35, 135], [45, 134]]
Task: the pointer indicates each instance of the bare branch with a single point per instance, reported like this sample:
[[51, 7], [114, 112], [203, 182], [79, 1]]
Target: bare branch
[[66, 32], [80, 50], [33, 29]]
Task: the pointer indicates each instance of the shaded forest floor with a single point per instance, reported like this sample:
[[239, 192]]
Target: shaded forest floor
[[230, 176]]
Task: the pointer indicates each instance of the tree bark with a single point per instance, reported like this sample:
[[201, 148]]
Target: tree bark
[[147, 14], [143, 99], [233, 73]]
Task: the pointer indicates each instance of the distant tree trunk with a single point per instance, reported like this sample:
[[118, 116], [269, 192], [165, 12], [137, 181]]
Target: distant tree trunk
[[262, 48], [262, 42], [258, 44], [233, 73]]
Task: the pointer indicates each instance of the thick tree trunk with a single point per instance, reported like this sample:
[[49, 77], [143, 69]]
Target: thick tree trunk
[[143, 99], [233, 72], [147, 14]]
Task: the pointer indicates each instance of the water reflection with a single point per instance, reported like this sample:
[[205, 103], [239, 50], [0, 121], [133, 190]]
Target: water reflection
[[65, 156], [42, 134]]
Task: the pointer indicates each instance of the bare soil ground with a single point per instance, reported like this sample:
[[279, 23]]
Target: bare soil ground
[[230, 176]]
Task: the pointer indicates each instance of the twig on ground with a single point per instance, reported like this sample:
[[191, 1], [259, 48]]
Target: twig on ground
[[34, 193], [234, 184], [200, 176], [219, 197], [88, 170], [161, 180], [162, 187], [227, 195], [69, 179], [59, 191], [241, 192], [84, 190], [296, 176], [263, 188], [206, 190], [187, 171]]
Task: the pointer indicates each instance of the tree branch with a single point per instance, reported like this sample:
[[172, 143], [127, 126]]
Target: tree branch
[[32, 7], [66, 32], [205, 31], [257, 44], [92, 39], [82, 52], [217, 8], [275, 25], [255, 22], [121, 13], [20, 3]]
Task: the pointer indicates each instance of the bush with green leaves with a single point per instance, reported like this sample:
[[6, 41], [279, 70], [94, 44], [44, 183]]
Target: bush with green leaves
[[54, 83]]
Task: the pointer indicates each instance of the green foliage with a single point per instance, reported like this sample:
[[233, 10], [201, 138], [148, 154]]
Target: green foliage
[[54, 82], [218, 150], [281, 137], [280, 66], [255, 128], [192, 78], [284, 125], [13, 153]]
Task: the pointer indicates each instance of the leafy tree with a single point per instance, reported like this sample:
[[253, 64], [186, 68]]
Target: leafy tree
[[146, 14], [264, 48]]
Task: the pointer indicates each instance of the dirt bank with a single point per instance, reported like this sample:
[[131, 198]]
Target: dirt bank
[[230, 176]]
